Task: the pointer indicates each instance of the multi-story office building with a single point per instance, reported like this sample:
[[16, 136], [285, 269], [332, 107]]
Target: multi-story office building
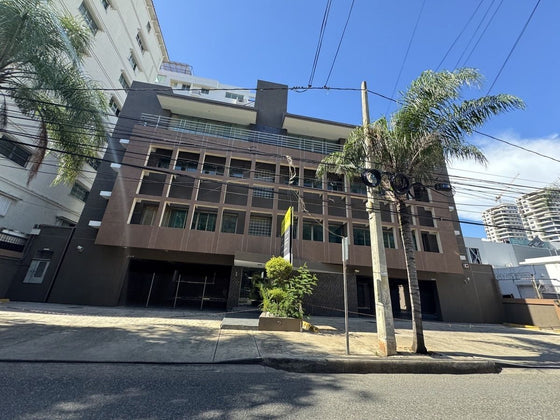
[[127, 45], [503, 223], [540, 212], [187, 208]]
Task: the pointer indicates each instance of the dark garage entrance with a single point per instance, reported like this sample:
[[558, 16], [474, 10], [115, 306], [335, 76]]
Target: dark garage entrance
[[400, 300], [153, 283]]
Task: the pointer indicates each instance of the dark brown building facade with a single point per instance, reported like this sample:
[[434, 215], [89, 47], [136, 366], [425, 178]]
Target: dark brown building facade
[[188, 202]]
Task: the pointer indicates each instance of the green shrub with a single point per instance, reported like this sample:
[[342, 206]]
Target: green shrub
[[283, 290]]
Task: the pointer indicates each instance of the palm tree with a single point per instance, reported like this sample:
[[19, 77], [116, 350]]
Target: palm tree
[[40, 70], [424, 134]]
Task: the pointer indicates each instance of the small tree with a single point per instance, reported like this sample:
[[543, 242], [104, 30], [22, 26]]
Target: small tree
[[284, 288]]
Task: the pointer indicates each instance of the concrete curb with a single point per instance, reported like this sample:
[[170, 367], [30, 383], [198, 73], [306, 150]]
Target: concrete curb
[[333, 366]]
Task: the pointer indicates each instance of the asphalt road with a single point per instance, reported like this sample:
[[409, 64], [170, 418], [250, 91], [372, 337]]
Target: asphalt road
[[126, 391]]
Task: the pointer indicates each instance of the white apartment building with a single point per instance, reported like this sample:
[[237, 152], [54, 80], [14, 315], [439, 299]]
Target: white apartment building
[[540, 212], [503, 223], [127, 45], [180, 78]]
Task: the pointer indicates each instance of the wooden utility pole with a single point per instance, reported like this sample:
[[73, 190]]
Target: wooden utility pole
[[383, 310]]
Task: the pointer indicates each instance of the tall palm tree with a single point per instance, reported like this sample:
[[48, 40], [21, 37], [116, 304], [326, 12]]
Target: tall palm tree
[[40, 70], [424, 134]]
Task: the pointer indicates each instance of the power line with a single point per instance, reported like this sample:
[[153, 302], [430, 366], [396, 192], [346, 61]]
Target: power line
[[319, 42], [514, 45], [340, 42], [459, 35]]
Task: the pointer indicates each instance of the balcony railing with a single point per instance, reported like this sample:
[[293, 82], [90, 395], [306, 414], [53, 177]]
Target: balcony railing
[[227, 132]]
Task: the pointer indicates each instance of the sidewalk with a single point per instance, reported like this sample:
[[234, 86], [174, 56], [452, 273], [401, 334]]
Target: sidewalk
[[72, 333]]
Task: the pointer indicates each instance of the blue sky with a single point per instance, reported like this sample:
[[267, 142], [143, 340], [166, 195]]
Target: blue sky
[[239, 42]]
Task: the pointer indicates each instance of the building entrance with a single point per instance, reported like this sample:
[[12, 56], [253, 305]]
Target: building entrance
[[153, 283]]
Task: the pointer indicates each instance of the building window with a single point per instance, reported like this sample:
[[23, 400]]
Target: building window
[[429, 242], [312, 231], [14, 152], [140, 42], [388, 238], [175, 216], [474, 256], [204, 91], [309, 179], [425, 217], [93, 162], [148, 27], [4, 205], [260, 225], [36, 272], [88, 18], [213, 165], [420, 193], [336, 232], [229, 223], [361, 236], [114, 107], [132, 61], [335, 182], [262, 192], [144, 213], [358, 187], [123, 82], [187, 162], [79, 192], [105, 4], [160, 158], [204, 221], [235, 96]]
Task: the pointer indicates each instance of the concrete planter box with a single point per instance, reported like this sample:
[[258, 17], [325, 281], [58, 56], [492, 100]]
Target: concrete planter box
[[268, 322]]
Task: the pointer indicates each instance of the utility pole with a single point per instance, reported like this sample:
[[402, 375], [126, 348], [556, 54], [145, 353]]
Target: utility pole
[[383, 310]]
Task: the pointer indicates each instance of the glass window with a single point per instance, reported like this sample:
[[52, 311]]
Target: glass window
[[175, 216], [160, 158], [260, 225], [312, 231], [420, 192], [235, 96], [123, 82], [213, 165], [204, 91], [144, 213], [114, 107], [204, 221], [336, 232], [229, 223], [139, 42], [148, 27], [388, 238], [386, 212], [79, 192], [429, 242], [132, 62], [88, 18], [14, 152], [361, 235], [187, 162], [474, 256], [105, 4], [425, 217], [262, 192], [310, 180]]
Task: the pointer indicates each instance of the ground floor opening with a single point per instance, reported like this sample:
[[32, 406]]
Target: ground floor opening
[[400, 298], [152, 283]]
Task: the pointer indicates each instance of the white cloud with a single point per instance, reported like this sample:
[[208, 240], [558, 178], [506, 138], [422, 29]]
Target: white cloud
[[476, 186]]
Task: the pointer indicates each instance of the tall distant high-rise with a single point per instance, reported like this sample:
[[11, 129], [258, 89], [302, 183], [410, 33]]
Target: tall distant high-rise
[[540, 212], [503, 223]]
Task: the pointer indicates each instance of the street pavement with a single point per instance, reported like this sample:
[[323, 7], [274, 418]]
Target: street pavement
[[41, 332]]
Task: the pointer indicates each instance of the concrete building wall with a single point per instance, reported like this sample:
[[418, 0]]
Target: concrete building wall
[[543, 313], [473, 297]]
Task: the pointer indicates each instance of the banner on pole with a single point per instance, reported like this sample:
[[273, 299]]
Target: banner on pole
[[286, 232]]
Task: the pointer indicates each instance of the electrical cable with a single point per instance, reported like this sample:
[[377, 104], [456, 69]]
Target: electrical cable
[[513, 47], [339, 43]]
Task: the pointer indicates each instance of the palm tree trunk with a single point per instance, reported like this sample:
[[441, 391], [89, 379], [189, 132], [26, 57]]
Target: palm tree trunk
[[418, 345]]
